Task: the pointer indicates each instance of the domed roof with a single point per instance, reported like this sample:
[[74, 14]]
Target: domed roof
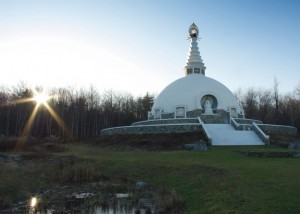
[[192, 91], [195, 90]]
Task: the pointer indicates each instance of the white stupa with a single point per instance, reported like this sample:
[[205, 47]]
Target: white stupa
[[198, 104], [195, 95]]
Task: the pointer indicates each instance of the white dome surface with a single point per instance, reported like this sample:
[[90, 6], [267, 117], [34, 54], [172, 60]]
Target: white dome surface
[[188, 92]]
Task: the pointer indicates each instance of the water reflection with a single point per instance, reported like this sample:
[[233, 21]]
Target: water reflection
[[121, 203], [95, 199]]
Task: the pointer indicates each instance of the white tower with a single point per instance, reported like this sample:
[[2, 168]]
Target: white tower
[[194, 63]]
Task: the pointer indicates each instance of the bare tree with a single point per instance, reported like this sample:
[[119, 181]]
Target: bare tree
[[265, 108], [250, 103], [297, 91], [276, 99]]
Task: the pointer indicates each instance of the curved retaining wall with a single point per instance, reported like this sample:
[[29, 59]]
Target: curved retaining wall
[[243, 121], [153, 129], [219, 116], [270, 129], [166, 121]]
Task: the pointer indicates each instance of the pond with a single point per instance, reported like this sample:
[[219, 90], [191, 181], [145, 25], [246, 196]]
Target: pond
[[71, 185], [70, 199], [91, 203]]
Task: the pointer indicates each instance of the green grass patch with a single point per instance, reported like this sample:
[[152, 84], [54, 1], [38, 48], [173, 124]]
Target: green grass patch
[[220, 180]]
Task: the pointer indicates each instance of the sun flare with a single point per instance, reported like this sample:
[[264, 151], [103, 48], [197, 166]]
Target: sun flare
[[41, 98], [33, 202]]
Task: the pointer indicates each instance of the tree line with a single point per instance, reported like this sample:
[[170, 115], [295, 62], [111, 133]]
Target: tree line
[[83, 113], [77, 113], [270, 106]]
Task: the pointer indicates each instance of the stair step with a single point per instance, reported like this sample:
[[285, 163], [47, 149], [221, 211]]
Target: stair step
[[225, 134]]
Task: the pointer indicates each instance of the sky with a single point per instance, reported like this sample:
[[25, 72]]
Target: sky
[[140, 46]]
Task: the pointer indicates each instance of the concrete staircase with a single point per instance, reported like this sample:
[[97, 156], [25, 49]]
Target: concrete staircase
[[226, 135]]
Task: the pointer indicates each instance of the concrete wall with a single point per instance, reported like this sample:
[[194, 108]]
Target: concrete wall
[[247, 121], [166, 121], [219, 116], [270, 129], [152, 129], [194, 114], [266, 128], [167, 116]]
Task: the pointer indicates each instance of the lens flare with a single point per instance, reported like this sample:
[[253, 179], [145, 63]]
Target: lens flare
[[41, 98], [33, 202]]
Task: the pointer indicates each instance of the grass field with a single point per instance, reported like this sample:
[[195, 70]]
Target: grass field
[[220, 180], [217, 181]]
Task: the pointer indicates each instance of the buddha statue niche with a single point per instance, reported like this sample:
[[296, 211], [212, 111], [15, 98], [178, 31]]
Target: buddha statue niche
[[207, 107]]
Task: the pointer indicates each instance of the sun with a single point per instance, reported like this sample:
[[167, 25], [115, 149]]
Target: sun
[[41, 98]]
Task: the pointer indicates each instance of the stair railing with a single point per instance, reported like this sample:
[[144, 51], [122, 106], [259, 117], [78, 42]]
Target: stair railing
[[265, 138], [206, 133], [235, 125]]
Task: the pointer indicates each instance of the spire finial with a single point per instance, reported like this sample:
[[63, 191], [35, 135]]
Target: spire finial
[[193, 30], [194, 64]]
